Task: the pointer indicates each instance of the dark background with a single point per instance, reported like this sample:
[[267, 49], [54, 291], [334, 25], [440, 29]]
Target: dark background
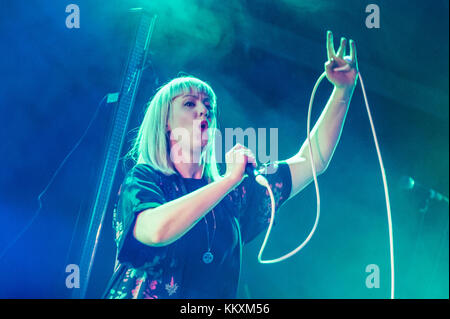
[[262, 58]]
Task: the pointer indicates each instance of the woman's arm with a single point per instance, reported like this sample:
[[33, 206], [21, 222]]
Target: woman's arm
[[327, 130], [165, 224], [324, 139]]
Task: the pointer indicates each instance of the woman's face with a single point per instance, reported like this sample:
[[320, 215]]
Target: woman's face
[[189, 119]]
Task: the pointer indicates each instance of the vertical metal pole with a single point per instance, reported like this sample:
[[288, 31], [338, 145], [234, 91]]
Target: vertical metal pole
[[127, 97]]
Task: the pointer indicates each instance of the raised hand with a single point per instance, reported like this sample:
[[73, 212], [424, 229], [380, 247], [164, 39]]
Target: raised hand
[[341, 70]]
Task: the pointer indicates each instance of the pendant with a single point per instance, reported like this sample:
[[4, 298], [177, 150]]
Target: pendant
[[208, 257]]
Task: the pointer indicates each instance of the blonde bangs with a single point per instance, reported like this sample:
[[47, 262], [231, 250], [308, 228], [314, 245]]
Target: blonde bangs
[[186, 85]]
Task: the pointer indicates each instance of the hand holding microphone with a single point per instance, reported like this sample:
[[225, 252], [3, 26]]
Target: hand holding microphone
[[240, 160]]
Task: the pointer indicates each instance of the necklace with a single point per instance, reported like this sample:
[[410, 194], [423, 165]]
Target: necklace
[[208, 256]]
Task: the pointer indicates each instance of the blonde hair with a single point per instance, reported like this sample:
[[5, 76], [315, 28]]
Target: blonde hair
[[152, 145]]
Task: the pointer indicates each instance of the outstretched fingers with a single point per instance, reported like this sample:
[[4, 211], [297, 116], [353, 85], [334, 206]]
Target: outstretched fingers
[[330, 46], [353, 51]]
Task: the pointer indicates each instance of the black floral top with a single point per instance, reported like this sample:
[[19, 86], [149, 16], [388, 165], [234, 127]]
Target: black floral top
[[177, 270]]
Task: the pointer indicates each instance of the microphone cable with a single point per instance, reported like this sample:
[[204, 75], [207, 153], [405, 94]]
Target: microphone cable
[[36, 214], [263, 181]]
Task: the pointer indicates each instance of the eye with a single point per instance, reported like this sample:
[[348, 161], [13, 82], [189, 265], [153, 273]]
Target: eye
[[207, 104], [189, 104]]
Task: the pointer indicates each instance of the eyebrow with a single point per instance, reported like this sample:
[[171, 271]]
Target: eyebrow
[[195, 96]]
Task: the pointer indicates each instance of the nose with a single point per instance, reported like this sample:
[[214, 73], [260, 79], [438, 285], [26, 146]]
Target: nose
[[203, 110]]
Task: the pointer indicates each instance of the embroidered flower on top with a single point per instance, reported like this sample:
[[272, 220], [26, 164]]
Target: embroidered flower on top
[[172, 287]]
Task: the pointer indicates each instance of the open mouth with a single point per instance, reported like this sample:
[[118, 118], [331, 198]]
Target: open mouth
[[204, 125]]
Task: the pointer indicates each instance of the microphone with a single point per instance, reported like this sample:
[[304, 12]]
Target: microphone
[[250, 170], [409, 184]]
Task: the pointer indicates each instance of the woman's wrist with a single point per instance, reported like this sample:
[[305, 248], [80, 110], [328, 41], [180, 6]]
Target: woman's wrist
[[231, 181], [344, 92]]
